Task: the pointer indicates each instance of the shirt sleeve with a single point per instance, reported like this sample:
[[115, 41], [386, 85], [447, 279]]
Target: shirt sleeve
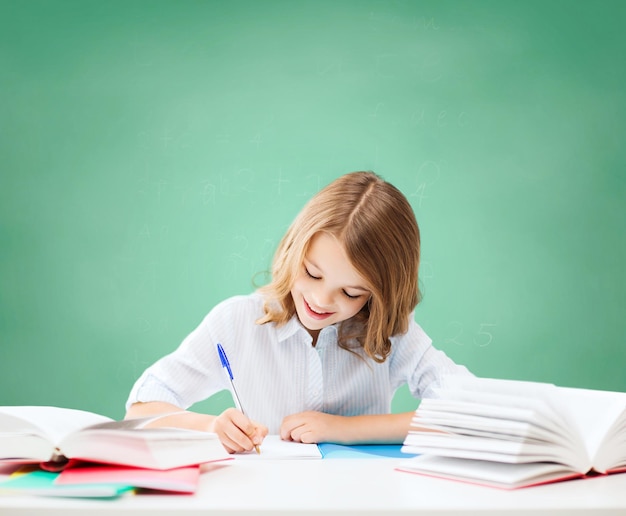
[[193, 371], [418, 363]]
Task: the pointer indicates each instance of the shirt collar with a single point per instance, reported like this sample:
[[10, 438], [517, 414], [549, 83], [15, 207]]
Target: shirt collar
[[289, 329], [294, 326]]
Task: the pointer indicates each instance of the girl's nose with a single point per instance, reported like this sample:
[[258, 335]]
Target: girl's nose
[[322, 298]]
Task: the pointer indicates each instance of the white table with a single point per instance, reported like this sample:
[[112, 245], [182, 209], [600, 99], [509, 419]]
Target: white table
[[340, 486]]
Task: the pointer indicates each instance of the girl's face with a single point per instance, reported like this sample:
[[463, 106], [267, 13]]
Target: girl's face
[[327, 289]]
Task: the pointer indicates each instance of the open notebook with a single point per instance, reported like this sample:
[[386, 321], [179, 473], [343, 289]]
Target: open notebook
[[274, 447]]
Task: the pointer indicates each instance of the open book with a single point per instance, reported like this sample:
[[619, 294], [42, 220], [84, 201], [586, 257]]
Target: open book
[[509, 434], [53, 435]]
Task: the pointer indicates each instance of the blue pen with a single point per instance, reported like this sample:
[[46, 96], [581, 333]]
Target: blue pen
[[226, 365]]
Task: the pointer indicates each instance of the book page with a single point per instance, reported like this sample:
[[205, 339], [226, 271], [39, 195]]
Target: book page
[[508, 402], [52, 422], [509, 395], [138, 423], [592, 413], [273, 447], [587, 418]]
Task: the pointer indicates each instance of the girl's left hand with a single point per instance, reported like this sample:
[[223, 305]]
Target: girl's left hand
[[312, 427]]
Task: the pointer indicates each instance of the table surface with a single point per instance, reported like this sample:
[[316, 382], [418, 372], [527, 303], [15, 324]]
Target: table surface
[[340, 486]]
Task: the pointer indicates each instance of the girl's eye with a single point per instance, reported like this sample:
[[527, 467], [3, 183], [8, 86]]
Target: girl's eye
[[309, 274], [306, 270]]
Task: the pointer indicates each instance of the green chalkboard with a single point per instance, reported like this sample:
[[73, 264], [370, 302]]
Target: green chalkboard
[[153, 153]]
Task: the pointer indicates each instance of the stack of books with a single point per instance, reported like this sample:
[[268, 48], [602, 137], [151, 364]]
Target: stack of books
[[56, 451], [511, 434]]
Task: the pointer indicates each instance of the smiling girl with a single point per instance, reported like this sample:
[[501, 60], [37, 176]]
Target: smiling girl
[[319, 352]]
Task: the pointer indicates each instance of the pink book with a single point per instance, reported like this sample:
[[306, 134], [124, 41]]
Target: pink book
[[178, 480]]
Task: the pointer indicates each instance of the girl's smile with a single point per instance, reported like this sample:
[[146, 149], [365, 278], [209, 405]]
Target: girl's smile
[[316, 313]]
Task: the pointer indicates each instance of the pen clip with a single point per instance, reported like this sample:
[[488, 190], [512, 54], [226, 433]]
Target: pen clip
[[224, 360]]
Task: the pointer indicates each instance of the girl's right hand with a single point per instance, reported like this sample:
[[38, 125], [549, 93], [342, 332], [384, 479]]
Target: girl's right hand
[[237, 432]]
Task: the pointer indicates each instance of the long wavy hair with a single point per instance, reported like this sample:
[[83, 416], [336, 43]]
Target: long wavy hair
[[376, 225]]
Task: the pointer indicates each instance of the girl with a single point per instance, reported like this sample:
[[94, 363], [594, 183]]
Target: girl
[[318, 353]]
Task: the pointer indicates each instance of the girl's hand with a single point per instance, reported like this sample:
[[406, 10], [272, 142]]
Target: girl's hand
[[237, 432], [318, 427], [313, 427]]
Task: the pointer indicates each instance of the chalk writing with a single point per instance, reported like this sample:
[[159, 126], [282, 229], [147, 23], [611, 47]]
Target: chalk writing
[[280, 181], [483, 337], [438, 118], [207, 194], [427, 175]]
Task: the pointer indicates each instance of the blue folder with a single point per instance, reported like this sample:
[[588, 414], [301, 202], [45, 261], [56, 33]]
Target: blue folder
[[363, 451]]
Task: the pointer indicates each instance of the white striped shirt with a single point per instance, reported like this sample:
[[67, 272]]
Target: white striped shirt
[[277, 372]]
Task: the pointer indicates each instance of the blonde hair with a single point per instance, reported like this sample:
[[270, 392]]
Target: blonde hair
[[376, 225]]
